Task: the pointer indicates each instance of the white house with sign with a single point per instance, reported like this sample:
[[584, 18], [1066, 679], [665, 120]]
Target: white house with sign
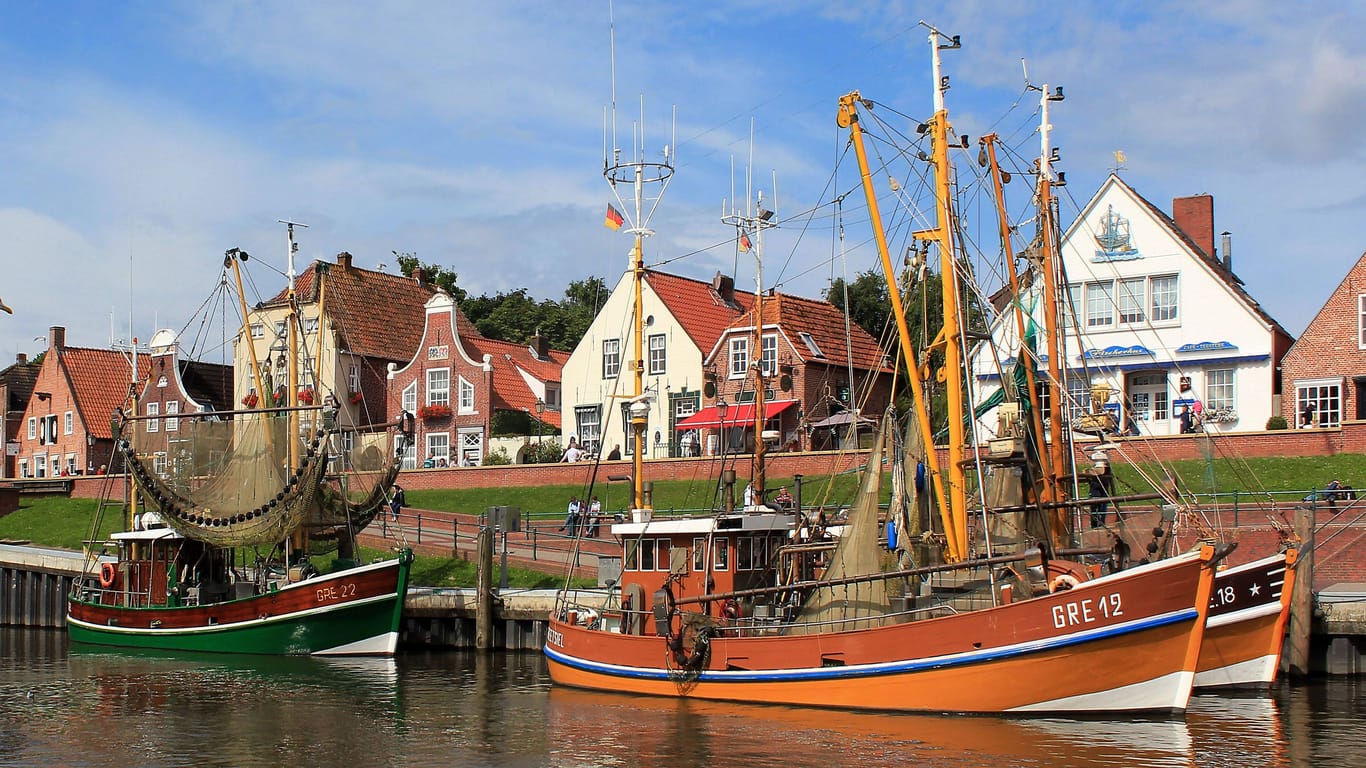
[[1155, 314]]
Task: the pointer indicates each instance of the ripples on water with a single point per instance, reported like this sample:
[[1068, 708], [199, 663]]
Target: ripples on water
[[96, 707]]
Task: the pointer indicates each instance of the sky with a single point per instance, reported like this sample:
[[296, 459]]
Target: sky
[[140, 140]]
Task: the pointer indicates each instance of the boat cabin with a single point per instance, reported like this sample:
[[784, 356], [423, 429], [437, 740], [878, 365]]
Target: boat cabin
[[154, 566]]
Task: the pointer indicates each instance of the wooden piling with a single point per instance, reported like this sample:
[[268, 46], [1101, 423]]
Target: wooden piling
[[1296, 661], [483, 617]]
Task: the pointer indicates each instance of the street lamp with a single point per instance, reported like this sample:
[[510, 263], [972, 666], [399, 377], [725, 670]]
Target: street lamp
[[722, 407], [540, 411]]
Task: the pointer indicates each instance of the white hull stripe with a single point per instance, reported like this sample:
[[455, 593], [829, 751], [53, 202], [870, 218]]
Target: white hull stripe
[[383, 644], [1246, 614], [1172, 690], [901, 666], [1255, 672]]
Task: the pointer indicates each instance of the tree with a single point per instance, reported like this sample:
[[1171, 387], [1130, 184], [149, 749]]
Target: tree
[[437, 275]]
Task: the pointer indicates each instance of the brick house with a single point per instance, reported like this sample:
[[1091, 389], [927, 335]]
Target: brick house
[[16, 387], [806, 359], [1160, 317], [175, 387], [1326, 366], [683, 319], [457, 381], [66, 424]]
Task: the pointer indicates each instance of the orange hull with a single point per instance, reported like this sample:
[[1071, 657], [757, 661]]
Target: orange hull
[[1249, 607], [1126, 642]]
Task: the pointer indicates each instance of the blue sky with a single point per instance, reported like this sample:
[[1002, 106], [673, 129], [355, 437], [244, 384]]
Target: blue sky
[[138, 141]]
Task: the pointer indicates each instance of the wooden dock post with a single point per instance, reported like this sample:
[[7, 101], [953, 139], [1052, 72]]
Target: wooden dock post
[[483, 617], [1296, 661]]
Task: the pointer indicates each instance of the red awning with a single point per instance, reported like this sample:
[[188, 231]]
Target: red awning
[[736, 415]]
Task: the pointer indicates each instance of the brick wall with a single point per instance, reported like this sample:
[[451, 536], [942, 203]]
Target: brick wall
[[1329, 346]]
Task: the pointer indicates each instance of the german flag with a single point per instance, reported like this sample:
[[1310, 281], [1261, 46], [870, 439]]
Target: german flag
[[614, 219], [745, 244]]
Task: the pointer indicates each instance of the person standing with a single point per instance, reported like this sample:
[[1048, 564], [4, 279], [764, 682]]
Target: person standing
[[594, 517], [615, 454], [571, 518]]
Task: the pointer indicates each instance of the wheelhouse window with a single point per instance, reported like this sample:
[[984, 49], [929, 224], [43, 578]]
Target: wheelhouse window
[[721, 560], [699, 554], [611, 358]]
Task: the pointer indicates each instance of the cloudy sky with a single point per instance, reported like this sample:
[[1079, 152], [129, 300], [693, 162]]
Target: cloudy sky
[[140, 140]]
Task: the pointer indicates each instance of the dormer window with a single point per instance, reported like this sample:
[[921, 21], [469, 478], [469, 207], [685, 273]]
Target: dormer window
[[810, 342]]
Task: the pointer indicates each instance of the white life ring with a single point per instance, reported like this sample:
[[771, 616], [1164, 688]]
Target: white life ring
[[1063, 581]]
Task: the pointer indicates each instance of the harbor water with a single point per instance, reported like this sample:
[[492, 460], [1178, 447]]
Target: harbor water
[[63, 705]]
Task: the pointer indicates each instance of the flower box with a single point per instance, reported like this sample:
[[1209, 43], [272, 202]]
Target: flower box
[[429, 412], [355, 397], [250, 400], [306, 396]]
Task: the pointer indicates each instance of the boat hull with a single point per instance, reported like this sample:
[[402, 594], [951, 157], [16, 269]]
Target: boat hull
[[1245, 632], [354, 612], [1126, 642]]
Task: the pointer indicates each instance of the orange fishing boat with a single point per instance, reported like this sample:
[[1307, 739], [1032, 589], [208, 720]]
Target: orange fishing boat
[[766, 605]]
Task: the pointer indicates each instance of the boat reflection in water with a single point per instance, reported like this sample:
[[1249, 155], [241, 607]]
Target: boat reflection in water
[[595, 728]]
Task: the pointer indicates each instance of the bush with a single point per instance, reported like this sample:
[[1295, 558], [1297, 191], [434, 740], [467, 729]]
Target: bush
[[1276, 422], [547, 451], [497, 456]]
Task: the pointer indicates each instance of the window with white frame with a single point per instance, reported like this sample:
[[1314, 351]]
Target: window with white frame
[[23, 467], [588, 420], [172, 408], [1078, 398], [439, 445], [258, 331], [1219, 390], [353, 378], [408, 459], [68, 423], [768, 355], [1325, 395], [1131, 296], [657, 356], [280, 327], [152, 410], [466, 396], [310, 325], [1361, 321], [408, 398], [721, 550], [1100, 304], [439, 386], [699, 554], [33, 427], [739, 356], [1164, 300], [611, 358]]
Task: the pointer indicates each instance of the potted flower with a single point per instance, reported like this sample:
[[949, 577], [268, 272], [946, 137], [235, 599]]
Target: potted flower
[[435, 411], [306, 396], [250, 400], [355, 397]]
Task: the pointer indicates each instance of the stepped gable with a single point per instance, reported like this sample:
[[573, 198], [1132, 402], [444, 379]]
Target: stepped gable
[[510, 391], [376, 314], [699, 308], [99, 380], [825, 324]]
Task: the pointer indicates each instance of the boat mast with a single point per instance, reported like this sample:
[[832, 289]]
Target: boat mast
[[292, 338], [637, 174], [756, 221], [1048, 255]]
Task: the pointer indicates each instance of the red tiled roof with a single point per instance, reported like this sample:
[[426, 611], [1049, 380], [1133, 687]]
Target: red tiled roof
[[510, 390], [826, 325], [697, 306], [377, 313], [99, 384]]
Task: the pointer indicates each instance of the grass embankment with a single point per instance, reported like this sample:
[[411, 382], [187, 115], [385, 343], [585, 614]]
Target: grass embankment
[[56, 521], [61, 522]]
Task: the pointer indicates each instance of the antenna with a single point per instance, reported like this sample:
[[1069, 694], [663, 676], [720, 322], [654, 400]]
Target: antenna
[[293, 247]]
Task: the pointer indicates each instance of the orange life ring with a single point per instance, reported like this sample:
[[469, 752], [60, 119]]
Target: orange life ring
[[1063, 581], [107, 574]]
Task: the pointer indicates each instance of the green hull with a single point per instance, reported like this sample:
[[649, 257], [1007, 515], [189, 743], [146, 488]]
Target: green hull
[[362, 627]]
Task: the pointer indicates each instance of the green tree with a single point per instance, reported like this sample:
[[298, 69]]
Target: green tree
[[437, 275]]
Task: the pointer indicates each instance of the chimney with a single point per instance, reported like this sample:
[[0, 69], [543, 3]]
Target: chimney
[[420, 275], [540, 345], [1194, 215], [724, 285], [56, 337], [20, 359], [344, 260], [1226, 245]]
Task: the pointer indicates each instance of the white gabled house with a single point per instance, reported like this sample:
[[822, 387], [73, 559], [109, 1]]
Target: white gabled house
[[1156, 315]]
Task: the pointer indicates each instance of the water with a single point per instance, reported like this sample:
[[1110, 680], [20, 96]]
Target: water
[[62, 706]]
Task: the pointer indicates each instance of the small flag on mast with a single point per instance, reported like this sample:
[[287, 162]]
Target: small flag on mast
[[614, 219], [745, 244]]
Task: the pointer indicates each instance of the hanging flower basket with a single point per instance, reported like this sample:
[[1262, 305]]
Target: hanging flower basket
[[306, 396], [355, 398], [429, 412], [250, 400]]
